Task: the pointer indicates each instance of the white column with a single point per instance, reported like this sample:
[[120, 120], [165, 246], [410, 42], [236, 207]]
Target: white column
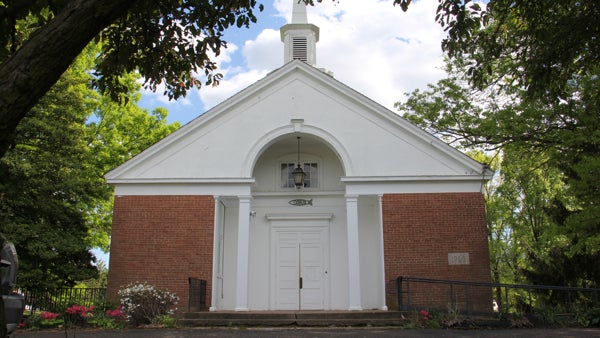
[[216, 252], [243, 240], [353, 253], [382, 254]]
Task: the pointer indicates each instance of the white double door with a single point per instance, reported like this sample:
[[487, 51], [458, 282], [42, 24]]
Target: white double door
[[300, 268]]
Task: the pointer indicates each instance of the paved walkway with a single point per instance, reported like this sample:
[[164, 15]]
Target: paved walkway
[[311, 332]]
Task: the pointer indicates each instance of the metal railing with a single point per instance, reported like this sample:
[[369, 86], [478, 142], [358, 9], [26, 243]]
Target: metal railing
[[197, 294], [470, 297], [57, 300]]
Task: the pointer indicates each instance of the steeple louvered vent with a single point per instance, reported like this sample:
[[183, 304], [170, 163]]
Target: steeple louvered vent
[[300, 48], [300, 37]]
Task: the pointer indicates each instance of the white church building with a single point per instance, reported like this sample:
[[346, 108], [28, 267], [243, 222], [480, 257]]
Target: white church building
[[298, 193]]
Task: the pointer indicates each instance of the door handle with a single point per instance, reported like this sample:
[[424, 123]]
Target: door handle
[[300, 282]]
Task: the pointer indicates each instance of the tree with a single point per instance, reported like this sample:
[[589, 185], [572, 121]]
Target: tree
[[166, 41], [57, 206], [538, 62], [542, 210], [116, 133], [46, 188]]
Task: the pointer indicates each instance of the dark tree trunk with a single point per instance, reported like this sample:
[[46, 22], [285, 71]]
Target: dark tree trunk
[[28, 74]]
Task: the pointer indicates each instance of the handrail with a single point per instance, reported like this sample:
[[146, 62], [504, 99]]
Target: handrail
[[404, 293]]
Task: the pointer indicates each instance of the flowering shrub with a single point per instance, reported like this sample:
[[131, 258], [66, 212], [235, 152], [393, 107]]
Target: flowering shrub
[[142, 303], [47, 319], [49, 315], [78, 314], [109, 319], [79, 310], [427, 320], [116, 313]]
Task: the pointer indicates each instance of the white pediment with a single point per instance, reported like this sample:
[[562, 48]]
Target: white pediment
[[223, 144]]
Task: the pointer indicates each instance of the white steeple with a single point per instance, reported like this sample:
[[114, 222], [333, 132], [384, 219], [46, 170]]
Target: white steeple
[[300, 37]]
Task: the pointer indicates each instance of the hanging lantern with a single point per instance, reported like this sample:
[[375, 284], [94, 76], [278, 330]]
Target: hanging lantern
[[298, 174]]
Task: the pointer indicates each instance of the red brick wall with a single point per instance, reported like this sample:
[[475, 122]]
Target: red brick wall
[[420, 230], [163, 240]]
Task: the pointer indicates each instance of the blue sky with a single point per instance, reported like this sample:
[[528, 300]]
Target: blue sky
[[369, 45]]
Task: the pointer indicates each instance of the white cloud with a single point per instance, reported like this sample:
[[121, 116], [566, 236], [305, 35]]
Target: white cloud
[[369, 45], [260, 57]]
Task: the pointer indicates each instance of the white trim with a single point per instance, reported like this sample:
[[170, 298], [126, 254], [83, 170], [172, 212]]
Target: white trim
[[354, 291], [243, 254], [381, 252], [407, 187], [151, 189], [297, 216], [295, 127], [428, 178], [215, 180], [216, 253]]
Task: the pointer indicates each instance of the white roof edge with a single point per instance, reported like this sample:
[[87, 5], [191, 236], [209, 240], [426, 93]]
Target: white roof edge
[[217, 180], [429, 178], [403, 123], [320, 75], [202, 119]]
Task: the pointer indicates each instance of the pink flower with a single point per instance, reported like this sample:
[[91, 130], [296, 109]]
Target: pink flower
[[79, 310], [424, 313], [49, 315], [116, 313]]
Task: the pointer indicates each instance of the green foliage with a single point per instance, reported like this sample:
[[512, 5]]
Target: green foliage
[[543, 215], [114, 134], [56, 205], [34, 321], [46, 188], [100, 282], [165, 321], [80, 316], [143, 303], [167, 42], [104, 321], [590, 317]]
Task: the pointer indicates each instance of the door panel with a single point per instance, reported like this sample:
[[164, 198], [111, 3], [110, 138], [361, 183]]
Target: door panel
[[311, 260], [287, 276], [300, 269]]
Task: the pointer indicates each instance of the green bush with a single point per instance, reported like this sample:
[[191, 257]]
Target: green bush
[[591, 317], [143, 303], [165, 321]]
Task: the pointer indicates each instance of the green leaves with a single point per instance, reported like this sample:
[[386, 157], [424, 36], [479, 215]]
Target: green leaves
[[170, 44], [543, 213], [56, 205]]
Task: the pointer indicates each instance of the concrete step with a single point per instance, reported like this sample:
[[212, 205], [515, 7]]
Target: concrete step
[[300, 318]]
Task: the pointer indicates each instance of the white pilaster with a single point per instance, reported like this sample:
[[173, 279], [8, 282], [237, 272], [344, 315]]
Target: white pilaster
[[216, 253], [353, 253], [243, 240], [382, 254]]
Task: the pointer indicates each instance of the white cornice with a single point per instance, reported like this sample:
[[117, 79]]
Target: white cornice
[[233, 180], [428, 178]]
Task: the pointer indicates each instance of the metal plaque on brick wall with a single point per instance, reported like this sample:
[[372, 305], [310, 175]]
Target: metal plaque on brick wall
[[460, 258]]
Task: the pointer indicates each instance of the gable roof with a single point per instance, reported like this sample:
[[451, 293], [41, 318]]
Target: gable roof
[[223, 143]]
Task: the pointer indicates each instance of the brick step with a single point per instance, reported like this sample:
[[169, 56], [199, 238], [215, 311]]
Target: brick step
[[317, 318]]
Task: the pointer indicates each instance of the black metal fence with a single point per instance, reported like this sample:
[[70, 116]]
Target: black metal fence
[[197, 295], [480, 298], [57, 300]]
